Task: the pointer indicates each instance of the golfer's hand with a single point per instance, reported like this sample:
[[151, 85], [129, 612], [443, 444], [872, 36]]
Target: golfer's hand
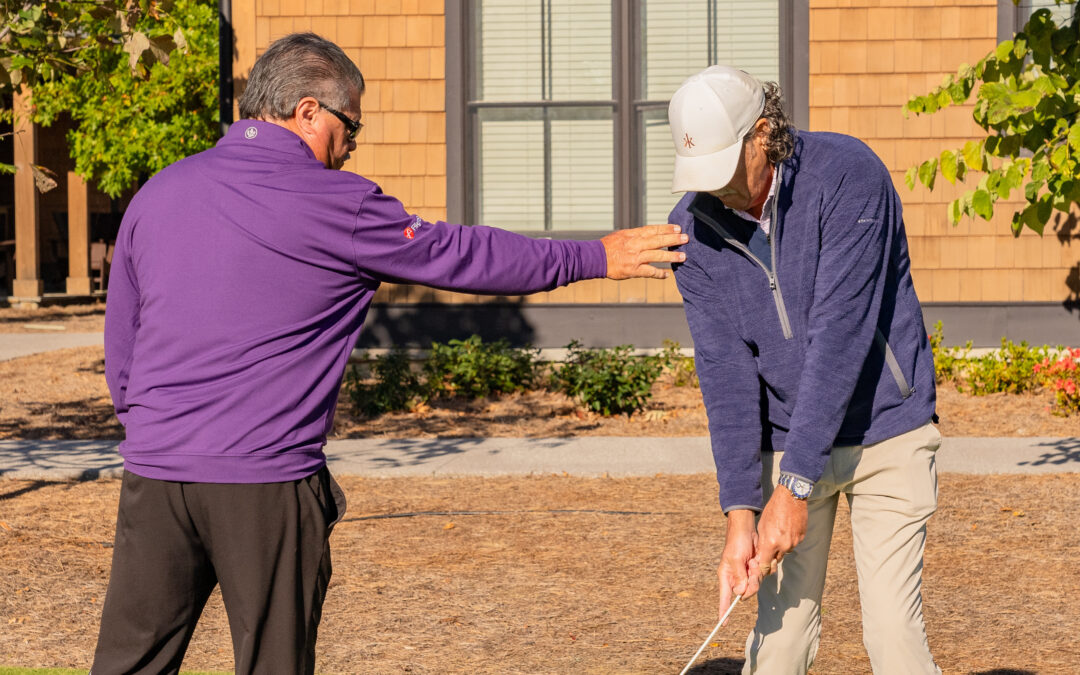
[[739, 550], [629, 252], [780, 529]]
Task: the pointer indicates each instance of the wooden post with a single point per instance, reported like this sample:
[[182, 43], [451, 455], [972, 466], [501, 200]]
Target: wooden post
[[28, 284], [78, 281]]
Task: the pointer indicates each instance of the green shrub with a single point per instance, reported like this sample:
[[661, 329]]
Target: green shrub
[[607, 381], [396, 386], [474, 369], [949, 362], [683, 372], [1010, 370]]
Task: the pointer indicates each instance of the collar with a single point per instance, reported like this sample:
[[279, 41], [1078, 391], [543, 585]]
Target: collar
[[765, 214], [262, 135]]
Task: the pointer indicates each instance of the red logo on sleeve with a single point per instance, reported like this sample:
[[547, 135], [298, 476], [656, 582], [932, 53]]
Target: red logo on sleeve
[[409, 233]]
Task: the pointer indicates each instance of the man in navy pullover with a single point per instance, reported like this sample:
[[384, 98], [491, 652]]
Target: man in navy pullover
[[814, 365]]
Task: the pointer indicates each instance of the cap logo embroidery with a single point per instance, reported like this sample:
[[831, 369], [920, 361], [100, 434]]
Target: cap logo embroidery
[[417, 223], [409, 233], [250, 133], [687, 141]]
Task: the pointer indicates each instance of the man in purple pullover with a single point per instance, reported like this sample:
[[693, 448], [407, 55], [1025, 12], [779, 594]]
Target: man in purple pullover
[[814, 366], [241, 278]]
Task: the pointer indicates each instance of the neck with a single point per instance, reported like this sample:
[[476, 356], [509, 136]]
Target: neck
[[759, 204]]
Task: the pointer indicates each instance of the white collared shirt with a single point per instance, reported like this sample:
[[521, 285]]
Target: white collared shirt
[[766, 210]]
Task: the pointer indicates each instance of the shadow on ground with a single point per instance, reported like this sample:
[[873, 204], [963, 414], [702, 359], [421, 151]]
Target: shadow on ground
[[404, 452], [1062, 451], [718, 667], [69, 457]]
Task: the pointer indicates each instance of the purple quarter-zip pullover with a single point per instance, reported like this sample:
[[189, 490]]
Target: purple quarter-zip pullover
[[240, 281]]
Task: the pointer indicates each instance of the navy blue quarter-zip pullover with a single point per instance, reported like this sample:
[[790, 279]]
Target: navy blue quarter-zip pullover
[[816, 339]]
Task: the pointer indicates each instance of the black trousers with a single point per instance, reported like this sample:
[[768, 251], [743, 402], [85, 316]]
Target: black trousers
[[266, 544]]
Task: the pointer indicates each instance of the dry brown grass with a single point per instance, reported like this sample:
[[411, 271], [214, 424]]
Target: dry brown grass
[[549, 584], [87, 318]]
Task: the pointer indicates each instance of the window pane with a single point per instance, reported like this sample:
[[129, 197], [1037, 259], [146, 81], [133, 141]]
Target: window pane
[[748, 37], [675, 36], [510, 52], [536, 50], [658, 161], [511, 174], [582, 175], [676, 39], [580, 50]]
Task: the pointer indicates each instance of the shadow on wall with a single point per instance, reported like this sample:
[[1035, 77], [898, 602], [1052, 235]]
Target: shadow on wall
[[1067, 231], [1072, 303], [417, 325]]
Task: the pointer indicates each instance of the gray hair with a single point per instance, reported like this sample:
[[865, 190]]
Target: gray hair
[[299, 65], [780, 142]]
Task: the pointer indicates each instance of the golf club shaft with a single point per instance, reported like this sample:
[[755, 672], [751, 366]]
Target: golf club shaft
[[714, 631]]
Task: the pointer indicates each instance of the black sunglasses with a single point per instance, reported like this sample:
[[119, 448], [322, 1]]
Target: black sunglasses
[[353, 127]]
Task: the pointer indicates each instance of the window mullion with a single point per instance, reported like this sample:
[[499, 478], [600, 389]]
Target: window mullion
[[626, 207]]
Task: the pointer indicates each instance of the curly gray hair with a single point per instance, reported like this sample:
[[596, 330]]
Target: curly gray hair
[[780, 142]]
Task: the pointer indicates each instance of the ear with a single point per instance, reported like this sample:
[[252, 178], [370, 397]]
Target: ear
[[761, 129], [305, 115]]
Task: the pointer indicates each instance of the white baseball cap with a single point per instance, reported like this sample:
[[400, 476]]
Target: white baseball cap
[[710, 115]]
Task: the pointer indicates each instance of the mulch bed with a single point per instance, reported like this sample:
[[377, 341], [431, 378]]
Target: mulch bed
[[522, 588], [62, 395]]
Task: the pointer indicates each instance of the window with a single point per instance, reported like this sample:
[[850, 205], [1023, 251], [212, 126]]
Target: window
[[1012, 18], [557, 109]]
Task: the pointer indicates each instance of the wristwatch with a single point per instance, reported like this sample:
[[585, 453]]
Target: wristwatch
[[800, 487]]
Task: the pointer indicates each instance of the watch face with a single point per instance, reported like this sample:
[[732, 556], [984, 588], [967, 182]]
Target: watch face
[[802, 488]]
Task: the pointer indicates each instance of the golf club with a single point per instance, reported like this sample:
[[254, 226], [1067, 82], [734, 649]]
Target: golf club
[[714, 630]]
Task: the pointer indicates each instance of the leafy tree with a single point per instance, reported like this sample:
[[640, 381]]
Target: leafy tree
[[1027, 94], [138, 78]]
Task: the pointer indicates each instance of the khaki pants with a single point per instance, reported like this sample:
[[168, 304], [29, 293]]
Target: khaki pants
[[891, 488]]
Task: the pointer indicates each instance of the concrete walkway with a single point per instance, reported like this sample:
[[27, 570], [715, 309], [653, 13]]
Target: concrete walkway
[[586, 456], [15, 345]]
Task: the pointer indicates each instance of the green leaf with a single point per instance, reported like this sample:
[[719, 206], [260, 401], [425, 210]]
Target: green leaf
[[1031, 190], [1074, 136], [1040, 169], [948, 166], [1010, 180], [928, 172], [1059, 156], [1027, 98], [1043, 209], [910, 176], [956, 210], [1003, 52], [983, 205], [973, 154]]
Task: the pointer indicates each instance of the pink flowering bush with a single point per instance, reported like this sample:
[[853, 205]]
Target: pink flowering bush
[[1062, 376]]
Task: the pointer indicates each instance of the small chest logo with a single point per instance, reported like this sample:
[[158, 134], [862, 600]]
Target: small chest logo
[[687, 141], [409, 233], [250, 133]]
